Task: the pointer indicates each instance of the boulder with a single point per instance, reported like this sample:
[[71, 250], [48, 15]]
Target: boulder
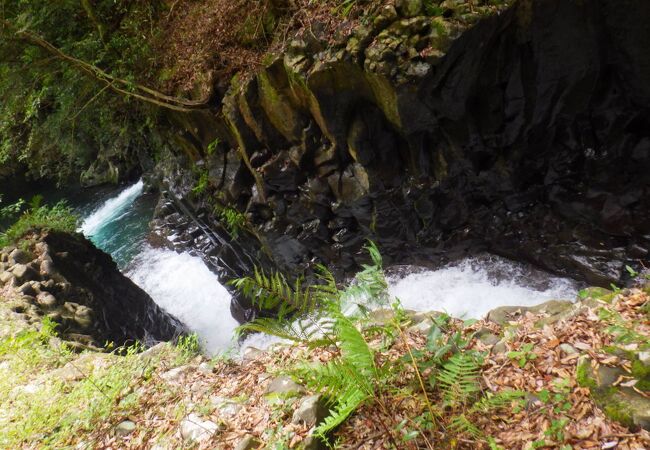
[[46, 300], [248, 442], [47, 268], [176, 374], [6, 277], [504, 314], [284, 386], [125, 428], [226, 407], [24, 273], [311, 411], [195, 429], [409, 8], [19, 256]]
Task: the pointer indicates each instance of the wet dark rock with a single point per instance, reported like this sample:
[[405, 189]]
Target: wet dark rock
[[100, 301], [488, 141]]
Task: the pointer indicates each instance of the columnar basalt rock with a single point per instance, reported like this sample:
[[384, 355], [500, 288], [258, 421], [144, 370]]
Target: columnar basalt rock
[[80, 288], [525, 135]]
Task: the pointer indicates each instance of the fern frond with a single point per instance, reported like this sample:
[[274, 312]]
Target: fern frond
[[459, 379], [343, 409], [460, 424], [369, 285], [354, 347], [283, 329], [499, 400]]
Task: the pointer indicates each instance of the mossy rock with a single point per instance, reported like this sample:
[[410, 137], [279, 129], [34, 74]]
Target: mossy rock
[[504, 314], [588, 295], [623, 405]]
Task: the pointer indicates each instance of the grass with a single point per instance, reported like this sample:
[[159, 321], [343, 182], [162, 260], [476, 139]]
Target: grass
[[59, 216], [40, 407]]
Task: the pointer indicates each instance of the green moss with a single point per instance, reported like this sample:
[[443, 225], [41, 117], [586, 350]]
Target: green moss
[[57, 217], [614, 408], [642, 373], [621, 353], [584, 375]]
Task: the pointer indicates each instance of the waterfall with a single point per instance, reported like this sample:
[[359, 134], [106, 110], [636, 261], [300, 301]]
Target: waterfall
[[111, 210], [472, 287], [178, 282], [184, 286]]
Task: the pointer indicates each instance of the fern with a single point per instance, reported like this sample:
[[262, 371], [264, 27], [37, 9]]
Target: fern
[[492, 401], [355, 348], [370, 283], [459, 379], [461, 424], [343, 409], [273, 293]]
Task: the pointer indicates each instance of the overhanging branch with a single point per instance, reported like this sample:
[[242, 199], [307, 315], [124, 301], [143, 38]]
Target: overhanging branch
[[114, 83]]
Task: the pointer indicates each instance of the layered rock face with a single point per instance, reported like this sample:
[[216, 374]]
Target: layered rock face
[[527, 135], [65, 277]]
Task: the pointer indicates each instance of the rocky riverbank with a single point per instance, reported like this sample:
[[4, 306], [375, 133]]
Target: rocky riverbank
[[582, 368], [63, 277]]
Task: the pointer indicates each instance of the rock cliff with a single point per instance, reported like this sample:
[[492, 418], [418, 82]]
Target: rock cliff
[[523, 133], [64, 277]]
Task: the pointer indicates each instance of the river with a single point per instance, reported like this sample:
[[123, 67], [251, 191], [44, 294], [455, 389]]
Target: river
[[184, 286]]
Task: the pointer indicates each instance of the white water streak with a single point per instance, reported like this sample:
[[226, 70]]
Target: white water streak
[[473, 287], [184, 286], [111, 210]]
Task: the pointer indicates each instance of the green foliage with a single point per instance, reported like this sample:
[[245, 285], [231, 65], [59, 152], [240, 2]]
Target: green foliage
[[188, 347], [234, 221], [524, 355], [212, 147], [317, 315], [202, 183], [345, 7], [54, 118], [624, 331], [51, 411], [57, 217], [9, 211]]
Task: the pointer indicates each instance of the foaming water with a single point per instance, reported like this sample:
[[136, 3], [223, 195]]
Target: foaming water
[[474, 286], [468, 289], [111, 210], [185, 287], [178, 282]]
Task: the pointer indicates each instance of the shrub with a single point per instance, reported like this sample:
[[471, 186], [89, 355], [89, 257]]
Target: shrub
[[59, 216]]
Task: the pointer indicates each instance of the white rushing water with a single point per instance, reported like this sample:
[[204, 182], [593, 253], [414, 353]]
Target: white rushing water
[[468, 289], [178, 282], [474, 286], [111, 210], [184, 286]]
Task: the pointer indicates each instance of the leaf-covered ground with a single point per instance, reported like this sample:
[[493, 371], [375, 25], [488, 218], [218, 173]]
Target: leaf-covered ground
[[166, 398]]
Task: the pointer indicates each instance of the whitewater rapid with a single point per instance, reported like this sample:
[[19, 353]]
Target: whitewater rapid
[[111, 210], [178, 282], [469, 289], [184, 286]]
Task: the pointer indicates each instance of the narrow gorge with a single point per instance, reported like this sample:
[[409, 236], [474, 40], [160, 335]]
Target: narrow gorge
[[227, 205]]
